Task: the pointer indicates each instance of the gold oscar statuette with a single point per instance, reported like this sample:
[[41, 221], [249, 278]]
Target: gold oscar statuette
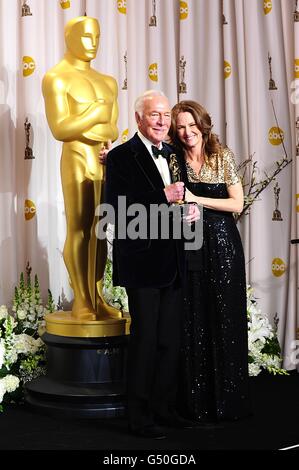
[[175, 172], [82, 110]]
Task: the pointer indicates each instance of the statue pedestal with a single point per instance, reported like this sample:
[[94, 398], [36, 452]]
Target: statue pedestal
[[85, 377]]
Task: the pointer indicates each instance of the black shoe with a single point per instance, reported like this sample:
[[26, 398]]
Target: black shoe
[[175, 421], [151, 431]]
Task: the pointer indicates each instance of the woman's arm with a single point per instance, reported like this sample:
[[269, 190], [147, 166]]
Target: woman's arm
[[234, 202]]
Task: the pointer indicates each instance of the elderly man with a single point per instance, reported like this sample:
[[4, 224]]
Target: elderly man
[[150, 268]]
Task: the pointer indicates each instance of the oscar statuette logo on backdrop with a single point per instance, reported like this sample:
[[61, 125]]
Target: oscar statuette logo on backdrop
[[272, 85], [153, 18], [182, 71], [224, 21], [28, 150], [276, 213], [125, 85], [26, 9]]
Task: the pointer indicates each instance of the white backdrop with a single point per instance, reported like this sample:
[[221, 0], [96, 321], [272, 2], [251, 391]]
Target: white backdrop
[[223, 52]]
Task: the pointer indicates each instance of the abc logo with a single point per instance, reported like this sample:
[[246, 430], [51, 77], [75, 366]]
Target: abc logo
[[278, 267], [227, 69], [29, 209], [65, 4], [122, 6], [124, 136], [296, 69], [267, 7], [28, 66], [276, 135], [183, 10], [153, 72]]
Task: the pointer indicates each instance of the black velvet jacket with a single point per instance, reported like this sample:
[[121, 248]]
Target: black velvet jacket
[[143, 262]]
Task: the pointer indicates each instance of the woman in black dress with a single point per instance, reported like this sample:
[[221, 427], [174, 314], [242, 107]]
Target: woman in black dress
[[215, 347]]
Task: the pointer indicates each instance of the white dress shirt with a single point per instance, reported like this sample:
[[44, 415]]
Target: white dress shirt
[[160, 162]]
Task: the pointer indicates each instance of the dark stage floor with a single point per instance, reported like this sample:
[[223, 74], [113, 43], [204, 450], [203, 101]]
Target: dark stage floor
[[274, 425]]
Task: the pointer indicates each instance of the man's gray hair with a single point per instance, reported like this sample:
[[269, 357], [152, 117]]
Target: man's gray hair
[[139, 103]]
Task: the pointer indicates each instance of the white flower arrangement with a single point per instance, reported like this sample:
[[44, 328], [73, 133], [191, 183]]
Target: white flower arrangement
[[22, 352], [263, 345]]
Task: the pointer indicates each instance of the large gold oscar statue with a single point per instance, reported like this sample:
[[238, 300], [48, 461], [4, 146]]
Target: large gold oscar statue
[[82, 111]]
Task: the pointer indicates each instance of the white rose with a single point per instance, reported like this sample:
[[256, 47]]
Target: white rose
[[254, 369], [11, 383], [21, 314]]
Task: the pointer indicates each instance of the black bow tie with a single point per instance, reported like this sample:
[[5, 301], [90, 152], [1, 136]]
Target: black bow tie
[[156, 152]]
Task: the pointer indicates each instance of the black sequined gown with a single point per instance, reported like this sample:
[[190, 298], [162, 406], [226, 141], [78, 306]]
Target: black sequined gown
[[215, 346]]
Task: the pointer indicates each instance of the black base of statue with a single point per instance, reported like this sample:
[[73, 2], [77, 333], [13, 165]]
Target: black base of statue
[[85, 377]]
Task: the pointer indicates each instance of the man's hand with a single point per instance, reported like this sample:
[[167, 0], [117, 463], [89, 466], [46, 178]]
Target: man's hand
[[174, 192], [103, 153], [193, 213]]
